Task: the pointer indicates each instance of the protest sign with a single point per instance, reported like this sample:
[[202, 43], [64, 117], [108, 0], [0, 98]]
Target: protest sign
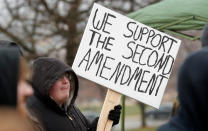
[[126, 56]]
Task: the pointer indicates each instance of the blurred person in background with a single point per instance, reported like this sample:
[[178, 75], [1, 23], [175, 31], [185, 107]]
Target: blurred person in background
[[204, 43], [193, 95], [52, 107], [13, 86]]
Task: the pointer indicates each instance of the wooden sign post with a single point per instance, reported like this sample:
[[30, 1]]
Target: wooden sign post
[[112, 99], [125, 56]]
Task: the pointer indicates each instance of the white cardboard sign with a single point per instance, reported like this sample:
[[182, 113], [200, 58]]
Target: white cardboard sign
[[126, 56]]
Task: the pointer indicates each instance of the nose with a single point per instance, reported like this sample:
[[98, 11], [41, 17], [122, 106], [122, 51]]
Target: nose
[[65, 80]]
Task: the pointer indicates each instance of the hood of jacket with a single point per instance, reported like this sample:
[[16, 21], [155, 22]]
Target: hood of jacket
[[46, 71], [4, 43], [193, 95], [9, 66]]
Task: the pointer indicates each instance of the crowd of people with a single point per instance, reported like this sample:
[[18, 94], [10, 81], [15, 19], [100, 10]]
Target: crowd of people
[[43, 98]]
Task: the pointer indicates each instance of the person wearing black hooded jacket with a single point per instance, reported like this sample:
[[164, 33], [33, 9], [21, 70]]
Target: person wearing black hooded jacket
[[46, 111], [193, 95]]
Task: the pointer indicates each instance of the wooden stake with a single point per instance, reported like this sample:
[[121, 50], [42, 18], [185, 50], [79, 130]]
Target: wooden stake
[[112, 99]]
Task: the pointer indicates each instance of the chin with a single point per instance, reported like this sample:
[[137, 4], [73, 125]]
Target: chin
[[66, 96]]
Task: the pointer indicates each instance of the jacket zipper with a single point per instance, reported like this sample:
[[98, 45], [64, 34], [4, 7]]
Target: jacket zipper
[[71, 120], [69, 116]]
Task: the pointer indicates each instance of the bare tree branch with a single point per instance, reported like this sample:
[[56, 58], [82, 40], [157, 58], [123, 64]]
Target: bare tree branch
[[35, 21], [16, 39]]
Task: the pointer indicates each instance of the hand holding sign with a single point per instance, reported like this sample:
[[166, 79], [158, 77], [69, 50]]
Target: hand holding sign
[[126, 56]]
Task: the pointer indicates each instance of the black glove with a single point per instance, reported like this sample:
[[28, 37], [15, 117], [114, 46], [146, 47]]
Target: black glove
[[114, 114]]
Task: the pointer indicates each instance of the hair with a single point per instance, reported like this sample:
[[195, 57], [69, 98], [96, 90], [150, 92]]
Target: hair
[[24, 72], [175, 107], [23, 75], [72, 86], [204, 36]]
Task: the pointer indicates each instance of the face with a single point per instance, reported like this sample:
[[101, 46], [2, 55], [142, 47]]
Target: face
[[23, 91], [60, 90]]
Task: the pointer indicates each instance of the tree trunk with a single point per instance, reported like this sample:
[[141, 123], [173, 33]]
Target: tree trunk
[[72, 42], [71, 47]]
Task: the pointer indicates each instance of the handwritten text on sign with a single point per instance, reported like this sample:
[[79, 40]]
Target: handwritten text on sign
[[126, 56]]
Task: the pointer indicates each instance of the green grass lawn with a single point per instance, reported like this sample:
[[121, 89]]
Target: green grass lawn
[[91, 108], [132, 110], [145, 129]]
